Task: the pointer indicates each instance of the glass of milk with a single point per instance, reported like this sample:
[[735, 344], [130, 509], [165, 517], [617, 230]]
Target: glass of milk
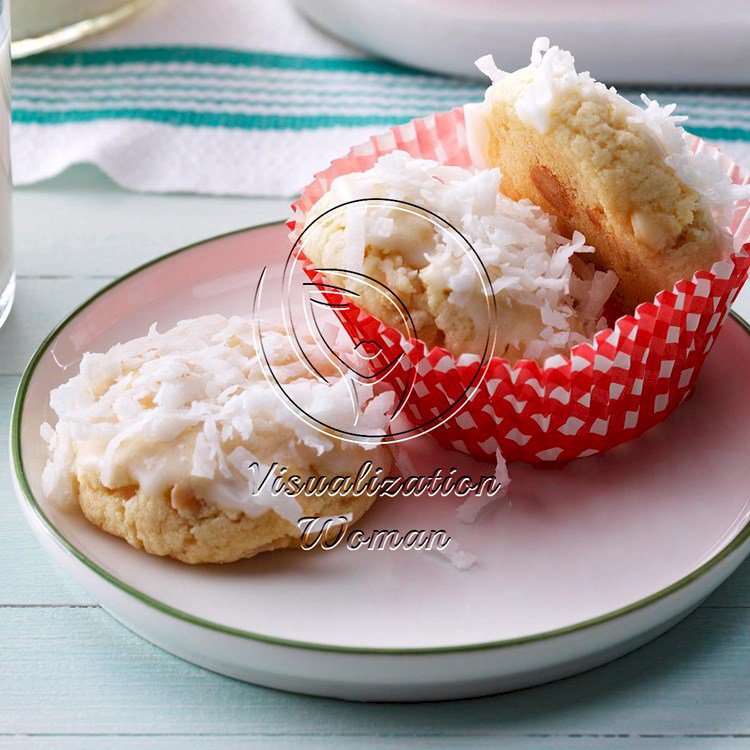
[[39, 25], [7, 278]]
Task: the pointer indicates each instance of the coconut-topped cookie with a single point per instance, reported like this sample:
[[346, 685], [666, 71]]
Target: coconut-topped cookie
[[165, 441], [547, 297], [623, 175]]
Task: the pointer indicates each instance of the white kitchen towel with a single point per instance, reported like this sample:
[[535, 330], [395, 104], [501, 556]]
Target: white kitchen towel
[[242, 97]]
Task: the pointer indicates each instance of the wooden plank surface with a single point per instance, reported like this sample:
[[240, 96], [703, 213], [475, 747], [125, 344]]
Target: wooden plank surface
[[88, 675], [79, 224], [305, 742], [70, 676]]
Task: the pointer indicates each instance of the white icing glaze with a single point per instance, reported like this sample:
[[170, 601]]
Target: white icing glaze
[[192, 408]]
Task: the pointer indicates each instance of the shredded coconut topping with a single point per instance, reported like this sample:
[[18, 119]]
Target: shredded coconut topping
[[487, 65], [552, 71], [544, 308], [191, 407]]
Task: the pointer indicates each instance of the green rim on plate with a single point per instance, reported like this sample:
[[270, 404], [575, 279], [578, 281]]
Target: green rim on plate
[[15, 447]]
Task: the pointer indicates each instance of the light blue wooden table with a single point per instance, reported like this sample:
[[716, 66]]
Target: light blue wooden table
[[71, 677]]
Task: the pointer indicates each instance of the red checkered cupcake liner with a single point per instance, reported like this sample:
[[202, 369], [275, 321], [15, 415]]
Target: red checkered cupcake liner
[[626, 380]]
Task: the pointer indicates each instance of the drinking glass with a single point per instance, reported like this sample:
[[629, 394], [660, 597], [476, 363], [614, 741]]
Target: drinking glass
[[7, 277], [39, 25]]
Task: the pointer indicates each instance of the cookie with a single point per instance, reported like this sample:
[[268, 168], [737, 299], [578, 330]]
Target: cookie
[[175, 523], [177, 442], [462, 259], [622, 175]]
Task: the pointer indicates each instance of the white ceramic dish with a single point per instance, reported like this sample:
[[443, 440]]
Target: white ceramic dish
[[583, 564], [667, 42]]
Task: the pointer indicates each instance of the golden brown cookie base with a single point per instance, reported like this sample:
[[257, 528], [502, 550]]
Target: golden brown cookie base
[[210, 535], [592, 173]]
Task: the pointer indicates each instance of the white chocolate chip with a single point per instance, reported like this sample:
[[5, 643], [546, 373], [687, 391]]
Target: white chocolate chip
[[647, 230]]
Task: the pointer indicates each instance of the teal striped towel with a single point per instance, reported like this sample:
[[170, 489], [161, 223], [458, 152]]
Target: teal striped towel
[[243, 98]]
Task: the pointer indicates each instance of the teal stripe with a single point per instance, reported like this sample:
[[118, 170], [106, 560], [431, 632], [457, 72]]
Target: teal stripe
[[429, 92], [26, 73], [443, 98], [208, 119], [687, 103], [26, 89], [669, 95], [209, 56], [447, 92], [240, 58], [273, 122], [416, 108], [392, 113], [720, 133], [281, 102], [394, 110], [114, 77], [267, 60]]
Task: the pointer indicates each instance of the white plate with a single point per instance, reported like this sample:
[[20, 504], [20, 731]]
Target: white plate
[[641, 41], [581, 565]]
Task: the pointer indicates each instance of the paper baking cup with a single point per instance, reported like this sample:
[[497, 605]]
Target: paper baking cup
[[627, 379]]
